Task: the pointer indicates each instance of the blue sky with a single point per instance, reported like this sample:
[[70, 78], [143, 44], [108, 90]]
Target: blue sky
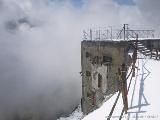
[[125, 2], [78, 3]]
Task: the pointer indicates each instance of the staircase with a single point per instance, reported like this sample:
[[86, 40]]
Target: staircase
[[150, 53]]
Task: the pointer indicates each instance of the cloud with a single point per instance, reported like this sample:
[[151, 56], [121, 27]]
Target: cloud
[[149, 10], [40, 52]]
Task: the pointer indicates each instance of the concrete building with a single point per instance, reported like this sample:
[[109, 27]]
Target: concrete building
[[105, 62], [100, 61]]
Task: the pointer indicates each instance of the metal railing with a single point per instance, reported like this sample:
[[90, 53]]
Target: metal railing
[[104, 34]]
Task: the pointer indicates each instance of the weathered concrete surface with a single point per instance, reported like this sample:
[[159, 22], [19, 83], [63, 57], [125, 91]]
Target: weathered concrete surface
[[100, 61]]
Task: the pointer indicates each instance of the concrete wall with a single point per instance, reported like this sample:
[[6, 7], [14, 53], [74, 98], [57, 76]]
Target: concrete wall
[[100, 61]]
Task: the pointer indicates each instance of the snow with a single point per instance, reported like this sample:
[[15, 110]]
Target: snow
[[143, 101]]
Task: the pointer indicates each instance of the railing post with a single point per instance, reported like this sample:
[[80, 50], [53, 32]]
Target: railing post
[[124, 87]]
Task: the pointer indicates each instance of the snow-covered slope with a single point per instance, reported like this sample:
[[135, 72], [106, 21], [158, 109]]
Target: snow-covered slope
[[143, 96]]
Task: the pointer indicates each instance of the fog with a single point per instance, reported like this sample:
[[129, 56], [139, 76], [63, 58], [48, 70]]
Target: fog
[[40, 50]]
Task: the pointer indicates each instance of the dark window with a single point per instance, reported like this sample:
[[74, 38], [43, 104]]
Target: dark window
[[88, 94], [88, 73], [95, 60], [107, 77], [107, 59], [88, 54], [99, 80]]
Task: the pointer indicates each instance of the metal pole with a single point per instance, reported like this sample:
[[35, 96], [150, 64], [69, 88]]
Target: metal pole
[[124, 87], [124, 29], [127, 31], [111, 32], [134, 57], [91, 34]]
